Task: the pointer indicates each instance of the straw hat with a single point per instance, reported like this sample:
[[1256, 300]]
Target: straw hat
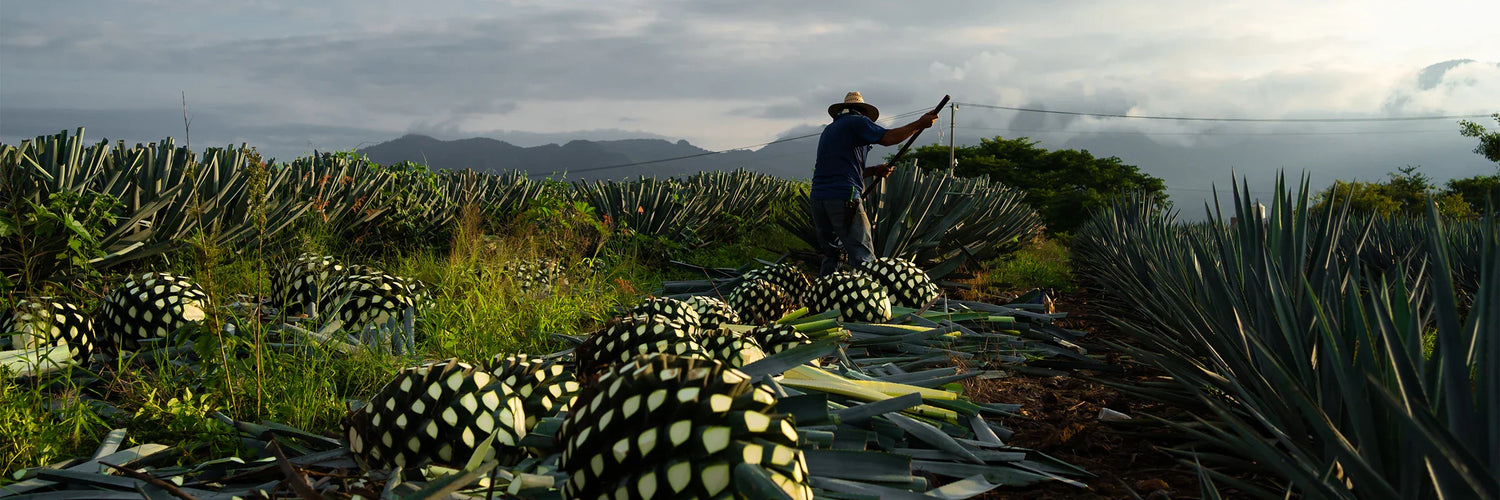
[[856, 101]]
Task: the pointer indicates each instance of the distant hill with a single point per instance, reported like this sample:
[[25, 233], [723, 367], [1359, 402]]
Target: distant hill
[[581, 159]]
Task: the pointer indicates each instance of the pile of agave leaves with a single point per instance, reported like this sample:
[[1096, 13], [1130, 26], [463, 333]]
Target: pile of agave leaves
[[914, 435]]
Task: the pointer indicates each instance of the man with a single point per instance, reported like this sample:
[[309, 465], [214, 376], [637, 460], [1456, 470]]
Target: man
[[838, 178]]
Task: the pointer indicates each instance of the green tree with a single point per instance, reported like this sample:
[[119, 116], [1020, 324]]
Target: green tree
[[1474, 190], [1406, 191], [1361, 197], [1409, 188], [1489, 141], [1064, 186]]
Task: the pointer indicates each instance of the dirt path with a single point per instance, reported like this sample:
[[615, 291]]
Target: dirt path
[[1060, 418]]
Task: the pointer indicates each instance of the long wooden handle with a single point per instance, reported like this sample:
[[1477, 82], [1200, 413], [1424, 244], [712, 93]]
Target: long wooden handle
[[901, 152]]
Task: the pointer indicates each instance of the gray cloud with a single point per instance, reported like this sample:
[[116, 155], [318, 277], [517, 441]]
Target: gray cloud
[[289, 77]]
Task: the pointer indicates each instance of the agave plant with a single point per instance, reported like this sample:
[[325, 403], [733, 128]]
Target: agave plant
[[689, 211], [938, 220], [128, 203], [1311, 366]]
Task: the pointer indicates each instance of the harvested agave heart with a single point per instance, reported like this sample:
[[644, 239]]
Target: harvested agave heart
[[855, 295], [45, 322], [759, 302], [151, 306], [298, 284], [908, 285], [437, 413], [713, 313], [664, 426], [631, 336]]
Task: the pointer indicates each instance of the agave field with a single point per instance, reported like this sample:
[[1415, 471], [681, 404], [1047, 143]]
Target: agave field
[[221, 326], [1349, 357]]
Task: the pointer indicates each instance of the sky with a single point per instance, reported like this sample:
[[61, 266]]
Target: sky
[[292, 76]]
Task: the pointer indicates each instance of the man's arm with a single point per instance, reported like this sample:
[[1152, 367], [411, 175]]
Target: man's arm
[[894, 136]]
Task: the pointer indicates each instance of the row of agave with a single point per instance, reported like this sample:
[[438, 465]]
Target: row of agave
[[1347, 358], [156, 196], [166, 194], [153, 310]]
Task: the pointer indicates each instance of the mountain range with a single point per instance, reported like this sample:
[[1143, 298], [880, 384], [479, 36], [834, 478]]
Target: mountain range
[[593, 160]]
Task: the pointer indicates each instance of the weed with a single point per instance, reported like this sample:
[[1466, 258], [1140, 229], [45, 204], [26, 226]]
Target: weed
[[1044, 264]]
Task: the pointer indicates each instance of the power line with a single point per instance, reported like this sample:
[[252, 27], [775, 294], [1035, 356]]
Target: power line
[[1108, 132], [1202, 119]]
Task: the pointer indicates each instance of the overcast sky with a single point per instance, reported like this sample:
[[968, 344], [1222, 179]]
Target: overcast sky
[[291, 76]]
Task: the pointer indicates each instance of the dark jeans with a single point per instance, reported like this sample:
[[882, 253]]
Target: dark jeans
[[835, 236]]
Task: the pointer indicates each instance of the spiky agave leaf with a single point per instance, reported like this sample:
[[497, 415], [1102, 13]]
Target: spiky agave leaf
[[545, 386], [46, 322], [151, 306], [855, 295], [437, 413], [760, 302], [300, 283], [730, 348], [630, 336], [784, 275], [712, 312], [677, 310], [777, 337], [363, 296], [907, 284], [667, 426]]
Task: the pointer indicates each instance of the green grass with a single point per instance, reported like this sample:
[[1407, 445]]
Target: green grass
[[1045, 264], [474, 316]]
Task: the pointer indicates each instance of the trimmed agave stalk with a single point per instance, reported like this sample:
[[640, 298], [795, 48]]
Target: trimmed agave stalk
[[545, 386], [673, 309], [381, 307], [297, 286]]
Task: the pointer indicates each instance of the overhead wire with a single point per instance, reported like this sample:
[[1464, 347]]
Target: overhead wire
[[1071, 113], [1207, 119]]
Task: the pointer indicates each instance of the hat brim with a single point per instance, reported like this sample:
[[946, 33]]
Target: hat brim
[[864, 108]]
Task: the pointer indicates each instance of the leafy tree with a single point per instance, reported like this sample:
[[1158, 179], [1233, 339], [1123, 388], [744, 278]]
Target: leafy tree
[[1361, 197], [1489, 141], [1473, 190], [1406, 192], [1064, 185]]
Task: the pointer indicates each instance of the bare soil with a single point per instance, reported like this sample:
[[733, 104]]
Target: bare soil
[[1060, 417]]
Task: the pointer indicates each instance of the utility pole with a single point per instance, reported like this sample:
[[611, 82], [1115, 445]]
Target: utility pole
[[952, 108]]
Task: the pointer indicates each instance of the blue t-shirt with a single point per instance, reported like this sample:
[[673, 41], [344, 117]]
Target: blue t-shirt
[[841, 156]]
